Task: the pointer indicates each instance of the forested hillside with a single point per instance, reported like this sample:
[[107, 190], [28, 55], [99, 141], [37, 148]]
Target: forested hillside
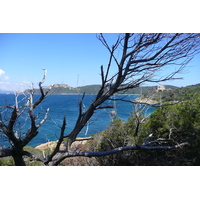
[[88, 89], [173, 94], [92, 89]]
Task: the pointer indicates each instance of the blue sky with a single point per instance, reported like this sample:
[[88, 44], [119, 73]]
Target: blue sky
[[73, 59]]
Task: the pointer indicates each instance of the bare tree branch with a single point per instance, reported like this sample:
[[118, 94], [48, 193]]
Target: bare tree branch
[[57, 148], [4, 152], [41, 90], [89, 154]]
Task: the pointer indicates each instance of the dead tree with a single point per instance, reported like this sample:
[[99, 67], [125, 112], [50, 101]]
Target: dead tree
[[142, 58], [8, 127], [137, 58]]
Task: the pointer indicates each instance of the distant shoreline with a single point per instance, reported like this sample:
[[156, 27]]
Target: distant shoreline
[[52, 144], [140, 100]]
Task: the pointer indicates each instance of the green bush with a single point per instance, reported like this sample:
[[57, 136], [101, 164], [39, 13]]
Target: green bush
[[180, 123], [175, 123], [7, 161], [118, 134]]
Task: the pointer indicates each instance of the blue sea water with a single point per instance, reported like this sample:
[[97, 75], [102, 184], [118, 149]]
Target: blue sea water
[[61, 105]]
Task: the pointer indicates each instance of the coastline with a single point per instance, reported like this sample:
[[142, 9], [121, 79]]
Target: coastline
[[140, 100], [52, 144]]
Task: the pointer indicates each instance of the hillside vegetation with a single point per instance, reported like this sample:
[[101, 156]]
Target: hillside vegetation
[[90, 89], [173, 94]]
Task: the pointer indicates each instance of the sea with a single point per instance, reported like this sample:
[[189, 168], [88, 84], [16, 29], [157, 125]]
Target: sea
[[67, 105]]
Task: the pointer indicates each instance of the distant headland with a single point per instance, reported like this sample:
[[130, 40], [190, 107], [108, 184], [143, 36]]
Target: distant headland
[[88, 89]]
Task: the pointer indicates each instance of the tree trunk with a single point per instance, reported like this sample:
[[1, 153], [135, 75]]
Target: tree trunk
[[18, 159]]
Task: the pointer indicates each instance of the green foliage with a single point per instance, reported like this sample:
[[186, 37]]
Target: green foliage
[[114, 136], [7, 161], [30, 162], [118, 134], [175, 123], [90, 89], [183, 118], [180, 123], [174, 94], [36, 152]]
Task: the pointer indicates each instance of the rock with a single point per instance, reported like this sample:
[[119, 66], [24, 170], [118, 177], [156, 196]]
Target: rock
[[145, 101], [51, 145]]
